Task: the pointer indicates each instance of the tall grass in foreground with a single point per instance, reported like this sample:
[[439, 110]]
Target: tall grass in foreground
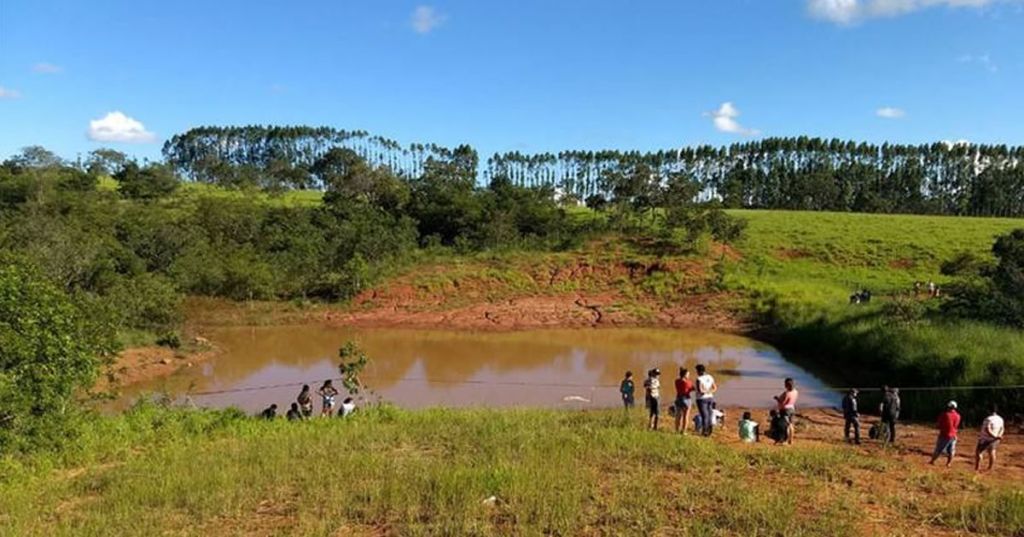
[[419, 473], [154, 471], [1000, 514]]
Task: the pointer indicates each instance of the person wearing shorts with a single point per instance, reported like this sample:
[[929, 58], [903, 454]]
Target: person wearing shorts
[[653, 397], [327, 393], [948, 423], [684, 387], [992, 430], [786, 402]]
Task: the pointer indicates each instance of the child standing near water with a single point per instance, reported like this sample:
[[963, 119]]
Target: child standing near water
[[305, 401], [626, 389], [327, 393], [652, 387]]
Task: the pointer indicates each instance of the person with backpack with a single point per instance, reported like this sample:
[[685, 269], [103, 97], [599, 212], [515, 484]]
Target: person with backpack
[[652, 387], [948, 423], [706, 388], [890, 411], [626, 389], [851, 416], [992, 431], [684, 387]]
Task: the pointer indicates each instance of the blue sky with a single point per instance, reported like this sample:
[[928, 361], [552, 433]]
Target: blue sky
[[528, 75]]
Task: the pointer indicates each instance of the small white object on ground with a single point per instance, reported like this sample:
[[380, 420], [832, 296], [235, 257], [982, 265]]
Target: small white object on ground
[[575, 398]]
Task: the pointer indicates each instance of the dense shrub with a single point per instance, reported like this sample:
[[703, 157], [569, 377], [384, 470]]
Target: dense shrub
[[49, 348]]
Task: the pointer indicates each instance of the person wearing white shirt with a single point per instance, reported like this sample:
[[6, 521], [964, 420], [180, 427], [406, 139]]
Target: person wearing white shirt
[[992, 430], [706, 389], [348, 406]]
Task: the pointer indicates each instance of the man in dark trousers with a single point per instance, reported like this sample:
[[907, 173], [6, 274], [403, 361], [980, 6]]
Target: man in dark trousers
[[890, 410], [851, 413]]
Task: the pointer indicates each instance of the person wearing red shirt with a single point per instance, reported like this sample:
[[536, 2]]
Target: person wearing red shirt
[[949, 422], [684, 387]]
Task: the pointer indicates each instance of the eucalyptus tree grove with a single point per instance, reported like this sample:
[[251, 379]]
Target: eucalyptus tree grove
[[773, 173]]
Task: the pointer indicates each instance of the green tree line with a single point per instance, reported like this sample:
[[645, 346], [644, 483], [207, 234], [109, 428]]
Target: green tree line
[[774, 173]]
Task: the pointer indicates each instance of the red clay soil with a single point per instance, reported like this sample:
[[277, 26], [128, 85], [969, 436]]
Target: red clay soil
[[140, 364], [914, 445], [562, 311], [602, 295]]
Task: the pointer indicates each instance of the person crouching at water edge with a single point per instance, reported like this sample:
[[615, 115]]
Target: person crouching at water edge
[[948, 423], [706, 389], [626, 389], [327, 394], [786, 402], [652, 388], [684, 387]]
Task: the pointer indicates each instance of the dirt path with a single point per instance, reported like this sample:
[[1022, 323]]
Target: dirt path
[[913, 448]]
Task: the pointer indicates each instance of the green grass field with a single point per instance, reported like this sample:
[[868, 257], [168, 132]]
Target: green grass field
[[392, 472], [826, 256]]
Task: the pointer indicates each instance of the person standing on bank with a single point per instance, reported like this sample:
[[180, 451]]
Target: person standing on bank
[[851, 415], [706, 389], [948, 423], [786, 402], [327, 393], [890, 411], [652, 386], [684, 387], [992, 430], [305, 401], [626, 389]]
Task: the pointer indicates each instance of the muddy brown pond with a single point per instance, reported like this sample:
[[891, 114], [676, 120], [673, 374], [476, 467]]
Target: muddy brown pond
[[422, 368]]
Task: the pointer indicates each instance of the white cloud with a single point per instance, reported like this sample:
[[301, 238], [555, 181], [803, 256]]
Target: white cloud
[[984, 60], [44, 68], [852, 11], [889, 112], [725, 120], [117, 127], [8, 93], [425, 19]]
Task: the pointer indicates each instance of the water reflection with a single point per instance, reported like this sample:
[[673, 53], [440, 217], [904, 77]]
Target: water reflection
[[417, 368]]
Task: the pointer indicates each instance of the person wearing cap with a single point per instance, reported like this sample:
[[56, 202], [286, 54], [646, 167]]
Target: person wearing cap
[[851, 415], [992, 430], [652, 386], [948, 423]]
